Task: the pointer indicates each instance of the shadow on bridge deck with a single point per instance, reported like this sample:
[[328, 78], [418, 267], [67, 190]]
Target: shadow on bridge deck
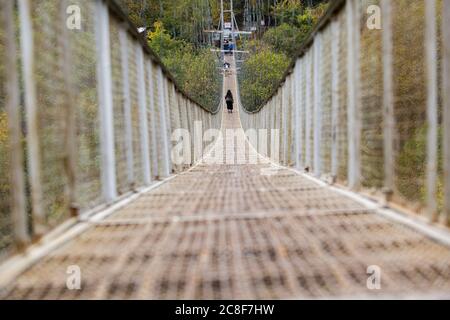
[[238, 231]]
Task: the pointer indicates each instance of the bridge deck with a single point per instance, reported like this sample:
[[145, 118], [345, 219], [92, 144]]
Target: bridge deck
[[223, 231]]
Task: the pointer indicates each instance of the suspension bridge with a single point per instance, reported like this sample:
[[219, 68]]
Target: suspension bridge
[[331, 207]]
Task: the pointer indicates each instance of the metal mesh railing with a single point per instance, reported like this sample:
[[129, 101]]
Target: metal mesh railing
[[226, 231], [370, 101], [410, 99], [95, 119], [85, 105], [6, 231]]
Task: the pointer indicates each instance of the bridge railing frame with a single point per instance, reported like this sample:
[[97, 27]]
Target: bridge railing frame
[[137, 105], [313, 83]]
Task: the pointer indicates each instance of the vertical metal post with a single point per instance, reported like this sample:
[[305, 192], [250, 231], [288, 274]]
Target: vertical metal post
[[317, 105], [432, 106], [162, 114], [198, 128], [335, 29], [143, 120], [123, 39], [388, 99], [104, 81], [33, 143], [292, 155], [18, 202], [446, 106], [353, 77]]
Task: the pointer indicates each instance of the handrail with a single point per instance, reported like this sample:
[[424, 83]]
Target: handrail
[[334, 8]]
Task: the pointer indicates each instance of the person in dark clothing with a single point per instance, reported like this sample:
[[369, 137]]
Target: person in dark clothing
[[229, 100]]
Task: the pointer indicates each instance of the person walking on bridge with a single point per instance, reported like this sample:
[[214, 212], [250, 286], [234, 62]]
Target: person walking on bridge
[[229, 100]]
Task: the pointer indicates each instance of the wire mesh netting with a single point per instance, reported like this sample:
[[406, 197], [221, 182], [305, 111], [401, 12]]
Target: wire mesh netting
[[225, 231], [289, 124], [410, 100], [303, 113], [414, 106], [167, 117], [5, 184], [66, 145], [151, 117], [83, 66], [309, 114], [52, 106], [326, 126], [371, 102], [342, 134], [121, 145], [159, 104], [134, 94]]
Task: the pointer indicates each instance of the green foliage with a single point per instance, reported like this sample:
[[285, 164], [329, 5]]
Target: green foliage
[[284, 38], [306, 21], [271, 55], [287, 11], [183, 19], [297, 22], [412, 159], [261, 73], [194, 69], [163, 44]]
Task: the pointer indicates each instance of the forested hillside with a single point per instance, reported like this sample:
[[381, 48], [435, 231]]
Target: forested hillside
[[271, 53], [176, 34]]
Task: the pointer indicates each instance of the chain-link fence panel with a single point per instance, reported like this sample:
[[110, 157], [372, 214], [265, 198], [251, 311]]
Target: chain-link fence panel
[[84, 66], [372, 157], [52, 107], [326, 112], [342, 128], [309, 118], [121, 103], [303, 113], [6, 228], [410, 101], [135, 121]]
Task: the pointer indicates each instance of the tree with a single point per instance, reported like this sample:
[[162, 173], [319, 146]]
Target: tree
[[261, 73], [284, 38], [193, 68]]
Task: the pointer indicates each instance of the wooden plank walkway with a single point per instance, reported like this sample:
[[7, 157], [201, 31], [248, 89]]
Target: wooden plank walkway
[[238, 231]]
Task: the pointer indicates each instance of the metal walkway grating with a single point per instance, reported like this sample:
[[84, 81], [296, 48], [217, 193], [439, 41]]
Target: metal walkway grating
[[230, 232]]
